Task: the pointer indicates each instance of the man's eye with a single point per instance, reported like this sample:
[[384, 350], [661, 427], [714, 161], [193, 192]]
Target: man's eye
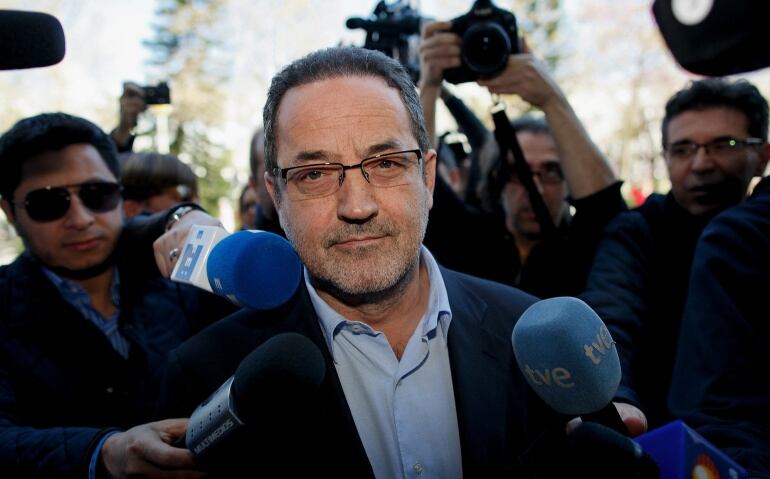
[[681, 149], [385, 164], [310, 175], [723, 145]]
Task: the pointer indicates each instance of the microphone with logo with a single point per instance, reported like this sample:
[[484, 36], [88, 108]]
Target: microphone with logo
[[568, 357], [255, 269], [285, 370]]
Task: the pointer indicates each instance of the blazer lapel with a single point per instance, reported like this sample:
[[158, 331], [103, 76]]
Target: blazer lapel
[[341, 443], [481, 375]]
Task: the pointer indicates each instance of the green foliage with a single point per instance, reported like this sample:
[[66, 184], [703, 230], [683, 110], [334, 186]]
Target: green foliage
[[186, 51]]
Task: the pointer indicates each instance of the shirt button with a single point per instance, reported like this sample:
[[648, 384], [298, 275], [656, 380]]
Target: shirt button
[[417, 468], [357, 329]]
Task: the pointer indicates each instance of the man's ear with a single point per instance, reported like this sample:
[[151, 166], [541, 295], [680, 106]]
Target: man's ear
[[764, 155], [274, 194], [8, 210], [429, 173]]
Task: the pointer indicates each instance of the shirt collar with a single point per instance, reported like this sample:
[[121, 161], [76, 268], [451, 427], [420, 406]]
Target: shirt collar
[[70, 290], [438, 304]]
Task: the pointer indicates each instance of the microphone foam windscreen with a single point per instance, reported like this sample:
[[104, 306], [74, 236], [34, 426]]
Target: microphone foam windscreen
[[567, 355], [715, 37], [29, 40], [256, 269], [285, 366]]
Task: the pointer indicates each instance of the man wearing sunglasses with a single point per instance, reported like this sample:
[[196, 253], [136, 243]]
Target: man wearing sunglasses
[[714, 142], [83, 332]]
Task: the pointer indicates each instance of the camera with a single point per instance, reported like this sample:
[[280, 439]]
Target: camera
[[159, 94], [394, 30], [489, 35]]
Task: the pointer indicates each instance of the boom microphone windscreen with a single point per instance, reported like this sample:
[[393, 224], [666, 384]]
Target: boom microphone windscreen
[[29, 40], [715, 37]]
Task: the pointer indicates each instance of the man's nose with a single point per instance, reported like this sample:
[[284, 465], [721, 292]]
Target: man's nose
[[78, 216], [356, 200], [702, 160]]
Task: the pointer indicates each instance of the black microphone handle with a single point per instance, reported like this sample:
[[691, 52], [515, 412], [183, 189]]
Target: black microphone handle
[[607, 416], [181, 441]]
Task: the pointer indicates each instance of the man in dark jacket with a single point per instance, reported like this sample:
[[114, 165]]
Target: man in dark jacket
[[84, 332], [420, 376], [714, 141], [719, 385]]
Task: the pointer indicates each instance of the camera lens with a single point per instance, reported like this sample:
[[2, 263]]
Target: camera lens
[[485, 48]]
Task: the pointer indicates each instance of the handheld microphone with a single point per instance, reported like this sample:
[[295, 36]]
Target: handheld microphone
[[568, 357], [29, 40], [682, 453], [619, 455], [256, 269], [283, 368]]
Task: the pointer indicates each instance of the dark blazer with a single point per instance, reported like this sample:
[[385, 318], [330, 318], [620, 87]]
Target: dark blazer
[[495, 409], [62, 383], [720, 382]]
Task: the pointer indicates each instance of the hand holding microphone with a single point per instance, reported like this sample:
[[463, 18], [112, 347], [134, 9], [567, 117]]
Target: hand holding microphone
[[255, 269], [282, 372], [569, 358]]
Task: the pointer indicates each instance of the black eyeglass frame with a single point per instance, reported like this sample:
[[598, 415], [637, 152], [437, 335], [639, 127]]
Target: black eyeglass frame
[[113, 195], [283, 172], [693, 147]]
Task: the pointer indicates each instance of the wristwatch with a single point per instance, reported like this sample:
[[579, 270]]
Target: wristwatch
[[177, 215]]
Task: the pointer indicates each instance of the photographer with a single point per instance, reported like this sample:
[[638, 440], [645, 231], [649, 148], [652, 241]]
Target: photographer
[[567, 168], [132, 103]]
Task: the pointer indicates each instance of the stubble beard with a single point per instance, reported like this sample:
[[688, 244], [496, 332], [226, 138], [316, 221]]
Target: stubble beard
[[368, 274]]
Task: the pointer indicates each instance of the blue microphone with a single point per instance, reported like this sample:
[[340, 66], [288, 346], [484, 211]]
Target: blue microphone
[[569, 358], [255, 269]]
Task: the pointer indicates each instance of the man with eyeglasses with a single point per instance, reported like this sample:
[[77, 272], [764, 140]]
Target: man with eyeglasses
[[83, 330], [506, 242], [714, 137], [420, 377]]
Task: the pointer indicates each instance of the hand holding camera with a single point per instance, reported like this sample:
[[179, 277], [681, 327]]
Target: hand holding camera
[[131, 105], [526, 76], [473, 46]]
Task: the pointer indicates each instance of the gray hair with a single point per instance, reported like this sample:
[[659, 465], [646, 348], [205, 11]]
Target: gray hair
[[333, 63]]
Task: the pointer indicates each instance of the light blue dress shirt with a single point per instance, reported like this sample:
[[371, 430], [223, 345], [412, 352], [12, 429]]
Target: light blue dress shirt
[[404, 410]]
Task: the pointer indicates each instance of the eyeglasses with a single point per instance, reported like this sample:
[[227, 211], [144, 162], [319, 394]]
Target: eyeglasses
[[550, 174], [53, 202], [721, 147], [322, 179]]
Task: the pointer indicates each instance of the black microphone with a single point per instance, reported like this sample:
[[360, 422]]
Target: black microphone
[[29, 40], [285, 368], [605, 453], [715, 37]]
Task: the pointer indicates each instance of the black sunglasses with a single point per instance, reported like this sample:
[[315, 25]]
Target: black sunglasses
[[53, 202]]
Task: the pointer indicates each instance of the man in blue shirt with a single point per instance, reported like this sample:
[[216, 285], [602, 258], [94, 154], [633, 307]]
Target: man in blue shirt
[[420, 376]]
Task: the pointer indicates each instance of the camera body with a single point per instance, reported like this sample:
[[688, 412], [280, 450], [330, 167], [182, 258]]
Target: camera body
[[489, 35], [393, 30], [159, 94]]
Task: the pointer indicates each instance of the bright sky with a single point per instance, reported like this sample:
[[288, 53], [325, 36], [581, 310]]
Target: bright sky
[[104, 48]]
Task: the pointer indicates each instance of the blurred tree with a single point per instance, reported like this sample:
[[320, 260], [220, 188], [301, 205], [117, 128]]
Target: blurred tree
[[187, 51]]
